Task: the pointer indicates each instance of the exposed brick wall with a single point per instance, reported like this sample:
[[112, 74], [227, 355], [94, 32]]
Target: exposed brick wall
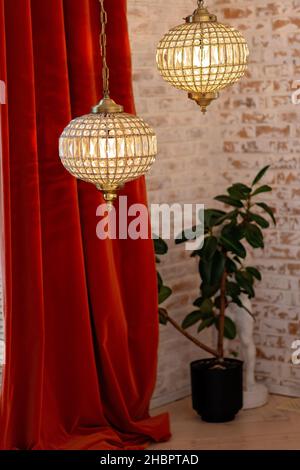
[[252, 124]]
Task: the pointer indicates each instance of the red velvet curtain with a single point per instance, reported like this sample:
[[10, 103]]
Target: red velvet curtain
[[80, 313]]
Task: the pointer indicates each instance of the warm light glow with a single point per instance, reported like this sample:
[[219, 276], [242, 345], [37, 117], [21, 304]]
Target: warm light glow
[[202, 57], [108, 149]]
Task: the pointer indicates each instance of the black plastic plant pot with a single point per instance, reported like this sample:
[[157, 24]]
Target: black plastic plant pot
[[217, 389]]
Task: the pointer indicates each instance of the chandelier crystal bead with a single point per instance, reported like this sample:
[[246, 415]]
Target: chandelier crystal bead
[[108, 150], [202, 56]]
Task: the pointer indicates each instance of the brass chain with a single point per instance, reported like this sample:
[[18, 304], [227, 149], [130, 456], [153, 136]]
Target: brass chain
[[103, 44]]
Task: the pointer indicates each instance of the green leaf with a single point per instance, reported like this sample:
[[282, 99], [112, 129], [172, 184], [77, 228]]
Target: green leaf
[[254, 236], [211, 270], [205, 268], [240, 304], [239, 191], [233, 231], [231, 267], [229, 216], [159, 281], [160, 246], [268, 210], [230, 201], [164, 293], [191, 319], [230, 331], [208, 290], [263, 223], [234, 246], [229, 328], [254, 272], [196, 253], [198, 302], [209, 247], [189, 234], [211, 216], [245, 283], [163, 316], [218, 302], [232, 289], [260, 175], [217, 267], [237, 301], [206, 323], [207, 306], [262, 189], [247, 275]]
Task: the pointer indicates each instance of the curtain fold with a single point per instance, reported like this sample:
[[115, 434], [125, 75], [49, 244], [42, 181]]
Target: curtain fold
[[80, 313]]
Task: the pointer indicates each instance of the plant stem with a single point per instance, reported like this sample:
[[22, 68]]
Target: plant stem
[[222, 316], [192, 338]]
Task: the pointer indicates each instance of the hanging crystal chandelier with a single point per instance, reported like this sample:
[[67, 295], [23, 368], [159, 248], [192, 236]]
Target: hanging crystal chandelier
[[202, 56], [107, 147]]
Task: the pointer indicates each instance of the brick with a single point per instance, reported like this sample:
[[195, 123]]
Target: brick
[[234, 13]]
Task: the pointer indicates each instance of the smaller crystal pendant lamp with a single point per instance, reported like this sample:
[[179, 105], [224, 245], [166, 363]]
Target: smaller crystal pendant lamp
[[202, 56], [107, 147]]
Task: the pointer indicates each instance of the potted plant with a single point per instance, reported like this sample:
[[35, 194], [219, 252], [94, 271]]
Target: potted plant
[[217, 383]]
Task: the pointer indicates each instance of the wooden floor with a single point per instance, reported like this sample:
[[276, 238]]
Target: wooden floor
[[263, 428]]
